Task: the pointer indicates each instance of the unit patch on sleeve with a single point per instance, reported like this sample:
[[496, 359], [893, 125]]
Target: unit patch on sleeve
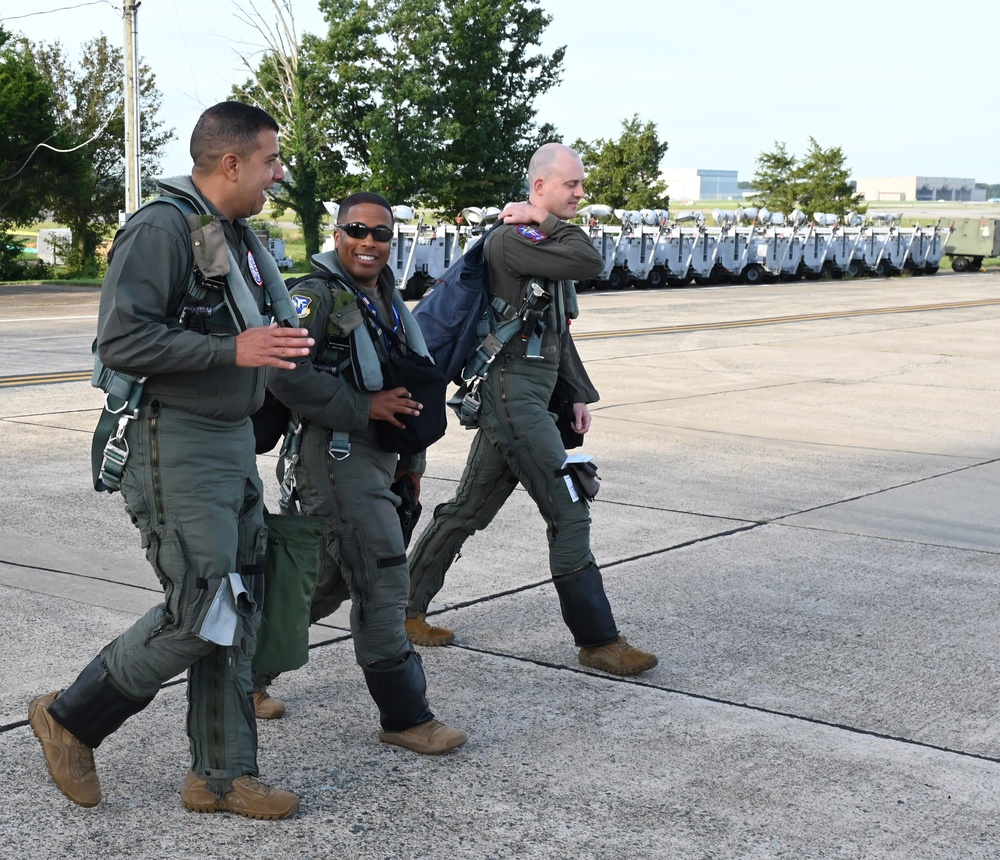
[[532, 234], [302, 303]]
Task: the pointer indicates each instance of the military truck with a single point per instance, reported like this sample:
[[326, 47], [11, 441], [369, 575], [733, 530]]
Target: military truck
[[970, 241]]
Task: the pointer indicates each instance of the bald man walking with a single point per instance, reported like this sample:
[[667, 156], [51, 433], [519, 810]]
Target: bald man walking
[[517, 440]]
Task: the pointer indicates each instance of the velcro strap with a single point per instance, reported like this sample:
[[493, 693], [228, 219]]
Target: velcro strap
[[393, 561]]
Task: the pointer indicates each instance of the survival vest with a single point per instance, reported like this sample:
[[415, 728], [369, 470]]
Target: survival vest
[[212, 267]]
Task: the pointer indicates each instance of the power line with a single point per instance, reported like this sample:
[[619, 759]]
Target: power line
[[94, 137], [60, 9]]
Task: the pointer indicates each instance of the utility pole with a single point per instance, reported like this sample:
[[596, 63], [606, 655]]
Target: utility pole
[[133, 189]]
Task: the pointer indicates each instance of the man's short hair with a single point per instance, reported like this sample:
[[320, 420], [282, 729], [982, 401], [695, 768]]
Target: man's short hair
[[545, 157], [359, 198], [228, 127]]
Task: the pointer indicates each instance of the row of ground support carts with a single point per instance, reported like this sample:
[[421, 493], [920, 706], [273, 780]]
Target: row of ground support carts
[[750, 245]]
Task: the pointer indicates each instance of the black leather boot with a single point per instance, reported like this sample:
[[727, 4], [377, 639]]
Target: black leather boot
[[585, 607], [400, 693], [92, 708]]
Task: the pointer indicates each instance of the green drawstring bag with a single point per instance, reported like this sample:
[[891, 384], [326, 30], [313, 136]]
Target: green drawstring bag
[[291, 563]]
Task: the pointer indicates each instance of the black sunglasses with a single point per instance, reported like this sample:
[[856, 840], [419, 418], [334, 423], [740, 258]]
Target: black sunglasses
[[357, 230]]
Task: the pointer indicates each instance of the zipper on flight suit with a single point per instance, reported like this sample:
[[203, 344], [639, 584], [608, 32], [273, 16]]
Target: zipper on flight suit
[[154, 461]]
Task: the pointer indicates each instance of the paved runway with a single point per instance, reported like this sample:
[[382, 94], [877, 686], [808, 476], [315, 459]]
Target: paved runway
[[800, 516]]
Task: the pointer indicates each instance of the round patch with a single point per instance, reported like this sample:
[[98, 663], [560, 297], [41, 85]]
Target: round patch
[[252, 263]]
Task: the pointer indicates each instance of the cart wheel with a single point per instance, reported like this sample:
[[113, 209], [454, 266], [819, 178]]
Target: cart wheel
[[657, 277], [753, 274], [617, 279], [960, 263]]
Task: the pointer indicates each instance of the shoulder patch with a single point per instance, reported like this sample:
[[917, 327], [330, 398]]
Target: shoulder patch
[[302, 304], [532, 234]]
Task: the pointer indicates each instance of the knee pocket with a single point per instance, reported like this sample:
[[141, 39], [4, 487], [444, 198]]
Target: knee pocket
[[188, 596], [346, 551]]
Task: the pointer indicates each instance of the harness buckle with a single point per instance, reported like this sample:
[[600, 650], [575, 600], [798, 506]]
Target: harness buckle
[[339, 449], [113, 463]]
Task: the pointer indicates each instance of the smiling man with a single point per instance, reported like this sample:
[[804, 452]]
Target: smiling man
[[357, 317], [200, 337], [517, 440]]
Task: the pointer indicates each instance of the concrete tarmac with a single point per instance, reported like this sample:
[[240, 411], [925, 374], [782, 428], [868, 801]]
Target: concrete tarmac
[[799, 514]]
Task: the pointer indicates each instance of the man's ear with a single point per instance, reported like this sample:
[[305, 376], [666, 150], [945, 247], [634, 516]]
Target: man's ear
[[230, 165]]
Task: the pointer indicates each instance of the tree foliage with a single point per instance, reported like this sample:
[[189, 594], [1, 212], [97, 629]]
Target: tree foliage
[[820, 182], [27, 120], [625, 173], [294, 84], [493, 79], [775, 180], [89, 106], [428, 102]]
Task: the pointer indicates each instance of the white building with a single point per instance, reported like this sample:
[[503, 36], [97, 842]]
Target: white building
[[920, 188], [690, 183]]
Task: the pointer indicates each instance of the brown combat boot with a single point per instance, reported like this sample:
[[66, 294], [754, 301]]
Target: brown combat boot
[[248, 797], [430, 738], [266, 706], [70, 761], [422, 633], [618, 658]]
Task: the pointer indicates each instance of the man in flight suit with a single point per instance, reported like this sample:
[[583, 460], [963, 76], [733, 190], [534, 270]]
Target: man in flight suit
[[517, 440], [190, 482], [357, 317]]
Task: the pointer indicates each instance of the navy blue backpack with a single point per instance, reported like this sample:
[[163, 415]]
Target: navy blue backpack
[[453, 316]]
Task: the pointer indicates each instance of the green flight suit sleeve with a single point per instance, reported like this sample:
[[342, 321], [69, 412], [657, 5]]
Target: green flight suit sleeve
[[555, 251], [318, 395], [148, 271]]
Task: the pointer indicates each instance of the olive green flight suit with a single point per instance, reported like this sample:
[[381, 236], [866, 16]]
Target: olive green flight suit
[[190, 485], [518, 441]]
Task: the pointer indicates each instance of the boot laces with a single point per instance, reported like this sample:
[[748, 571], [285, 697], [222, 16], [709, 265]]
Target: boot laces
[[82, 758]]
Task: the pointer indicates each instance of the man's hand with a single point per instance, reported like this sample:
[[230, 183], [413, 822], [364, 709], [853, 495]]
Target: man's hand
[[522, 213], [270, 346], [386, 405], [581, 418]]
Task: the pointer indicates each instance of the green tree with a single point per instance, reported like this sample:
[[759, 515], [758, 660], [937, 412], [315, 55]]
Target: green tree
[[90, 108], [818, 183], [824, 182], [28, 133], [294, 84], [776, 180], [490, 80], [625, 173], [424, 101]]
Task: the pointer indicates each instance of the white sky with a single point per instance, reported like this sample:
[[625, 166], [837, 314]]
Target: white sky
[[902, 87]]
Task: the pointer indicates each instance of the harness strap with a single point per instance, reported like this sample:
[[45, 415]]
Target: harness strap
[[121, 405]]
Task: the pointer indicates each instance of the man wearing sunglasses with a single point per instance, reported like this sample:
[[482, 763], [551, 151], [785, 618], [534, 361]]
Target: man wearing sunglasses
[[356, 316], [517, 440]]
